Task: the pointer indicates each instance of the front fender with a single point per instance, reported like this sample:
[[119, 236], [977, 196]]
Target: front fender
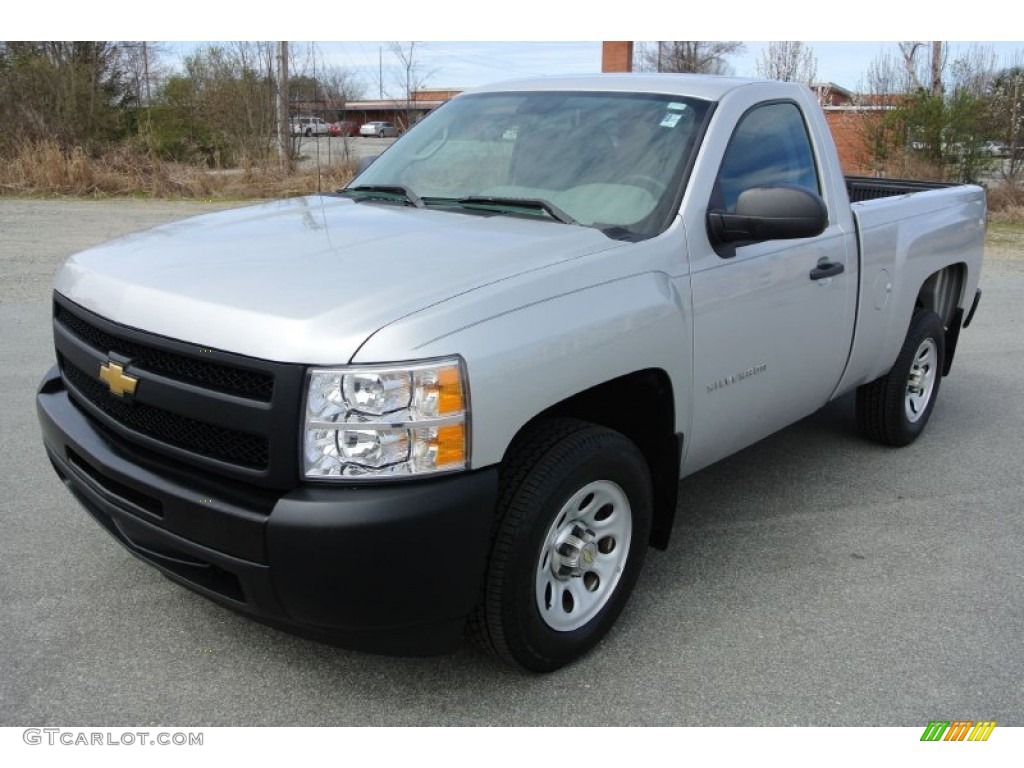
[[524, 361]]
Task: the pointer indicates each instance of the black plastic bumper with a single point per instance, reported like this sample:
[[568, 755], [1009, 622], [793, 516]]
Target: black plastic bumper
[[389, 569]]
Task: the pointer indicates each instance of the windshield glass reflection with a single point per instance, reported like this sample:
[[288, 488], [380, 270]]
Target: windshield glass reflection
[[613, 161]]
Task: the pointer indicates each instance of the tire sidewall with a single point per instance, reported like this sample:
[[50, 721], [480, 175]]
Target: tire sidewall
[[925, 324], [622, 465]]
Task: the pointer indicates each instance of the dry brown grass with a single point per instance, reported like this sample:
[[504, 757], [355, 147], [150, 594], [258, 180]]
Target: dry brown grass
[[1006, 202], [1010, 215], [43, 168]]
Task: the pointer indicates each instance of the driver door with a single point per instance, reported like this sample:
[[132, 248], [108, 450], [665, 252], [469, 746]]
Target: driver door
[[770, 342]]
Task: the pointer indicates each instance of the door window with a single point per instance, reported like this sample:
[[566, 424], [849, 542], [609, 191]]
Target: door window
[[769, 147]]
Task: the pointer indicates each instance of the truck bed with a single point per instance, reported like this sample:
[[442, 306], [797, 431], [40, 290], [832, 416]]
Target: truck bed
[[903, 241], [861, 188]]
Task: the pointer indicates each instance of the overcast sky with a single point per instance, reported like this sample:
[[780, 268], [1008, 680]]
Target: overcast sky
[[466, 64]]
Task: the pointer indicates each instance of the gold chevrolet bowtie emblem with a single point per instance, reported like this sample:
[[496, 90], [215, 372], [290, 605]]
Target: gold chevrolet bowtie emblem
[[115, 377]]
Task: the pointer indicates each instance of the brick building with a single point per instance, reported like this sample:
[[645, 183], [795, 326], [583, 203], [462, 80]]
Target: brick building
[[847, 115], [400, 112]]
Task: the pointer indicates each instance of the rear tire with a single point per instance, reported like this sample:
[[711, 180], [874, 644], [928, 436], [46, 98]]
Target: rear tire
[[895, 408], [574, 517]]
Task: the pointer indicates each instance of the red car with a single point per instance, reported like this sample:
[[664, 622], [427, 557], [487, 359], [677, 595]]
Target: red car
[[342, 128]]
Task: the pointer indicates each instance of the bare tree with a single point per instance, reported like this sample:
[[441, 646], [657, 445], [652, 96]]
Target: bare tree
[[883, 134], [411, 76], [921, 67], [145, 69], [279, 94], [930, 115], [74, 92], [788, 60], [707, 57], [342, 85], [221, 107], [973, 71], [885, 77]]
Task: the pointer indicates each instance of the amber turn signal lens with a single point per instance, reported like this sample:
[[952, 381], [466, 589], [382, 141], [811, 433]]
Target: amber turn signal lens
[[449, 384], [451, 445]]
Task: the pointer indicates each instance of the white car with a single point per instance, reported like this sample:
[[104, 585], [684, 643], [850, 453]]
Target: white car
[[310, 126], [995, 149], [378, 128]]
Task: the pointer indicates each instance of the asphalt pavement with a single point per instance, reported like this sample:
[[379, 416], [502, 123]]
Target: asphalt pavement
[[813, 579], [336, 150]]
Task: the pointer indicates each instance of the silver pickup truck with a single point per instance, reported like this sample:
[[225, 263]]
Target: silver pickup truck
[[458, 395]]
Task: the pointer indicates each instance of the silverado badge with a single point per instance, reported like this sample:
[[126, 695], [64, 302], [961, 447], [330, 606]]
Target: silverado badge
[[113, 374]]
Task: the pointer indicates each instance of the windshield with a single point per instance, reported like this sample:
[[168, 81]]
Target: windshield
[[613, 161]]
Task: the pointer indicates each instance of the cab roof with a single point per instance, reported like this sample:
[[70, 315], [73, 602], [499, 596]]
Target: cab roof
[[708, 87]]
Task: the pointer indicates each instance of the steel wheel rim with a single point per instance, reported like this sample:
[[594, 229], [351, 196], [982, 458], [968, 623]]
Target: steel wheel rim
[[921, 380], [583, 556]]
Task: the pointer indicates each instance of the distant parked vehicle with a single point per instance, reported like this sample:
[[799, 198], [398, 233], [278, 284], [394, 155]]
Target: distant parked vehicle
[[342, 128], [995, 149], [378, 128], [310, 126]]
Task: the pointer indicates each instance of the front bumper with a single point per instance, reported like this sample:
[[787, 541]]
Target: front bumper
[[388, 569]]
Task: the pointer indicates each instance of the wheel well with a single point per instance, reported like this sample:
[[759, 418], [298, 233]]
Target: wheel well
[[942, 293], [639, 405]]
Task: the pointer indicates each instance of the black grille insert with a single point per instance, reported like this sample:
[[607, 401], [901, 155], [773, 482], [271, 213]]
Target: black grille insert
[[231, 380], [209, 440]]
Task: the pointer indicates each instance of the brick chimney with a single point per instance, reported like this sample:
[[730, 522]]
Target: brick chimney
[[617, 57]]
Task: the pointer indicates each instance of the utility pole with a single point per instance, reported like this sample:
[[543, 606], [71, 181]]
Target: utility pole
[[1014, 112], [145, 67], [283, 129], [380, 71], [937, 68], [408, 86]]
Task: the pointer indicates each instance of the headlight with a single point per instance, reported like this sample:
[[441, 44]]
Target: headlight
[[365, 422]]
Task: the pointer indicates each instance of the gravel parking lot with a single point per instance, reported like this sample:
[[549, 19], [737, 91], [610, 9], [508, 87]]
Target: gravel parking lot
[[813, 579]]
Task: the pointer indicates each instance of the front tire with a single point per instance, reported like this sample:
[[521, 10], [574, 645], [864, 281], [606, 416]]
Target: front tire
[[574, 517], [895, 408]]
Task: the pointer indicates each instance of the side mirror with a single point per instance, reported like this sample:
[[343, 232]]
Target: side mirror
[[770, 213], [365, 162]]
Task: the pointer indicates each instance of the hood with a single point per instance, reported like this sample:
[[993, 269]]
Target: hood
[[308, 279]]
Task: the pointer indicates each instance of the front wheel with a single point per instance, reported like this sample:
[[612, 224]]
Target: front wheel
[[895, 408], [574, 519]]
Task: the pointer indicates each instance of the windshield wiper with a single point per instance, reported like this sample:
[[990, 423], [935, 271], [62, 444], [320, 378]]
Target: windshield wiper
[[527, 203], [385, 192]]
